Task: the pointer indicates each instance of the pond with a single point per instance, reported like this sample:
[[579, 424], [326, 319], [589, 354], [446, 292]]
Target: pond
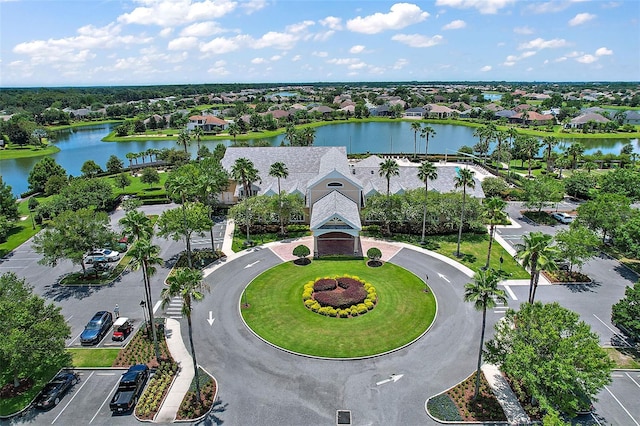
[[85, 143]]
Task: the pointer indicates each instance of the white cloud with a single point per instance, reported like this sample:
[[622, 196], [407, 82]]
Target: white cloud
[[218, 68], [332, 22], [323, 35], [201, 29], [257, 61], [586, 59], [320, 54], [253, 6], [515, 58], [581, 18], [357, 65], [183, 43], [418, 40], [176, 12], [358, 48], [603, 51], [401, 15], [483, 6], [523, 30], [221, 45], [299, 27], [296, 58], [455, 25], [275, 58], [551, 6], [486, 68], [540, 43], [166, 32], [400, 63], [276, 40]]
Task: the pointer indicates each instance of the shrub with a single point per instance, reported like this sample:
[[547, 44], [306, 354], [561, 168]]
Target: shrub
[[374, 254], [301, 251], [325, 284]]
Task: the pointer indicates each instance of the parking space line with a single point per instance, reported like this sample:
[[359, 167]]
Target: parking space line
[[623, 407], [615, 333], [595, 419], [84, 382], [107, 399], [511, 293], [632, 379], [75, 338]]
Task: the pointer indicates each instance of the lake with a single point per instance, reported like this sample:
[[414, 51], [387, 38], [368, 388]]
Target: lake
[[85, 143]]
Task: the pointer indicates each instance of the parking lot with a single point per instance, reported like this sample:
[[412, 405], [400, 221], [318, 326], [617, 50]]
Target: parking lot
[[87, 403], [618, 403]]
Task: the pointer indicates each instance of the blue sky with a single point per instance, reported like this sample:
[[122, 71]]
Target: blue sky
[[117, 42]]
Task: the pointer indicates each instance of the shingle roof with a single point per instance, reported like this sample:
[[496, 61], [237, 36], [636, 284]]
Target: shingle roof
[[334, 204]]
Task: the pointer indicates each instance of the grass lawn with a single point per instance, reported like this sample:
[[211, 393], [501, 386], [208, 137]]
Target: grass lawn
[[10, 406], [93, 358], [626, 358], [239, 238], [276, 312], [139, 188], [15, 151]]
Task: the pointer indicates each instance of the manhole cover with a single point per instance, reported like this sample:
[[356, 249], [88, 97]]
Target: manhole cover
[[343, 417]]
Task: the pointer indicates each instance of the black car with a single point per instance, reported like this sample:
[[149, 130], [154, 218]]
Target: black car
[[95, 329], [129, 389], [53, 391]]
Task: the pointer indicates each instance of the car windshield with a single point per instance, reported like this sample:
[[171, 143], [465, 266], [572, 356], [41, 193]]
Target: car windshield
[[107, 252], [93, 326]]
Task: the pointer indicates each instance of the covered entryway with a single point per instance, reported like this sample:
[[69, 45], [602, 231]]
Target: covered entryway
[[338, 243], [335, 223]]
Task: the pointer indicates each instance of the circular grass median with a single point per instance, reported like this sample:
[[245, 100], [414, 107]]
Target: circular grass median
[[277, 314]]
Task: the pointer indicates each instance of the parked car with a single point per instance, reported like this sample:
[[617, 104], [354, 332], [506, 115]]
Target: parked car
[[129, 388], [562, 217], [122, 327], [102, 255], [53, 391], [95, 329]]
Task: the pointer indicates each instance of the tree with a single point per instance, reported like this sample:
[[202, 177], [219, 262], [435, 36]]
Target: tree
[[577, 245], [183, 222], [622, 181], [580, 184], [417, 128], [549, 142], [198, 133], [425, 133], [187, 283], [605, 214], [484, 293], [389, 168], [307, 136], [530, 147], [71, 235], [90, 169], [145, 255], [244, 172], [83, 193], [494, 214], [553, 355], [234, 130], [301, 251], [537, 254], [42, 171], [279, 170], [575, 151], [426, 172], [33, 332], [136, 225], [184, 139], [494, 186], [374, 254], [8, 202], [542, 192], [464, 180], [122, 180], [55, 184], [485, 135], [149, 176], [626, 312], [114, 165]]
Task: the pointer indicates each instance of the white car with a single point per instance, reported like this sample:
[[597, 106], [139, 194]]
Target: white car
[[562, 217], [102, 255]]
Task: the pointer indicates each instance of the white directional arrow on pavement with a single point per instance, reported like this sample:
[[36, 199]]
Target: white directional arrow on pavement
[[393, 378], [251, 264], [444, 277], [210, 320]]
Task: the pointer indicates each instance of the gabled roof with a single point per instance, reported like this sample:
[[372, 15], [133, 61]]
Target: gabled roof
[[335, 205], [591, 116]]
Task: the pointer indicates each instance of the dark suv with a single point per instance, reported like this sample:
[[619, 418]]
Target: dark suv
[[95, 330]]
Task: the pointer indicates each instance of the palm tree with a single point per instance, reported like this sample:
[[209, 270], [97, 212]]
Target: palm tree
[[389, 168], [501, 136], [187, 283], [484, 293], [512, 134], [180, 185], [425, 133], [536, 253], [198, 133], [130, 156], [144, 254], [417, 128], [291, 134], [136, 225], [495, 214], [562, 162], [426, 172], [245, 172], [234, 130], [184, 139], [463, 180], [485, 134], [307, 134], [549, 142], [575, 150], [530, 147], [279, 170]]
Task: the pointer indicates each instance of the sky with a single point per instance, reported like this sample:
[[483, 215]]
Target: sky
[[143, 42]]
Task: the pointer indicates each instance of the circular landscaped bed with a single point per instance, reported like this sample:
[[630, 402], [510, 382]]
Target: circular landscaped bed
[[342, 297], [276, 311]]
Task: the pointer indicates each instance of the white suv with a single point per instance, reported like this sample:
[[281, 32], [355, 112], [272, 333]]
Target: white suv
[[562, 217], [102, 255]]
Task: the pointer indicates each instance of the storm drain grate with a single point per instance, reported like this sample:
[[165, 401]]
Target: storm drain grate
[[343, 417]]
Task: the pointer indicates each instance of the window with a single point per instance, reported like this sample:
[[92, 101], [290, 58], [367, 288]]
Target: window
[[334, 185]]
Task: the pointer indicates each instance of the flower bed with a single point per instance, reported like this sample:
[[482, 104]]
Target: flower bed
[[140, 349], [189, 408], [343, 296], [566, 277], [159, 385]]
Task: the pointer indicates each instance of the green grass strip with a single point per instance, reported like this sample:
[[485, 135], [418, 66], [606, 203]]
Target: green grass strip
[[277, 314], [93, 357]]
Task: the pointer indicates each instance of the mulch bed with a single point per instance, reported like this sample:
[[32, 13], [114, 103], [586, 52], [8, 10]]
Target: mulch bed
[[9, 391]]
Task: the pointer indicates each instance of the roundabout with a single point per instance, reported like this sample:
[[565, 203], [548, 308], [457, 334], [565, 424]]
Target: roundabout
[[272, 307]]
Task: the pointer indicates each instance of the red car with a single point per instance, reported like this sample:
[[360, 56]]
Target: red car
[[122, 327]]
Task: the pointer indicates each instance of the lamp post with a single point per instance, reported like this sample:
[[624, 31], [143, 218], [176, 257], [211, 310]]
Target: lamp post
[[501, 262], [426, 286], [143, 304], [248, 222]]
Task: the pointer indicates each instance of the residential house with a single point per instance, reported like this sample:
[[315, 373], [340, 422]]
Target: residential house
[[208, 123], [579, 121]]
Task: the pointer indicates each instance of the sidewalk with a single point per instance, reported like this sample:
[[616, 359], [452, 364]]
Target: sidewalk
[[184, 377], [507, 399]]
